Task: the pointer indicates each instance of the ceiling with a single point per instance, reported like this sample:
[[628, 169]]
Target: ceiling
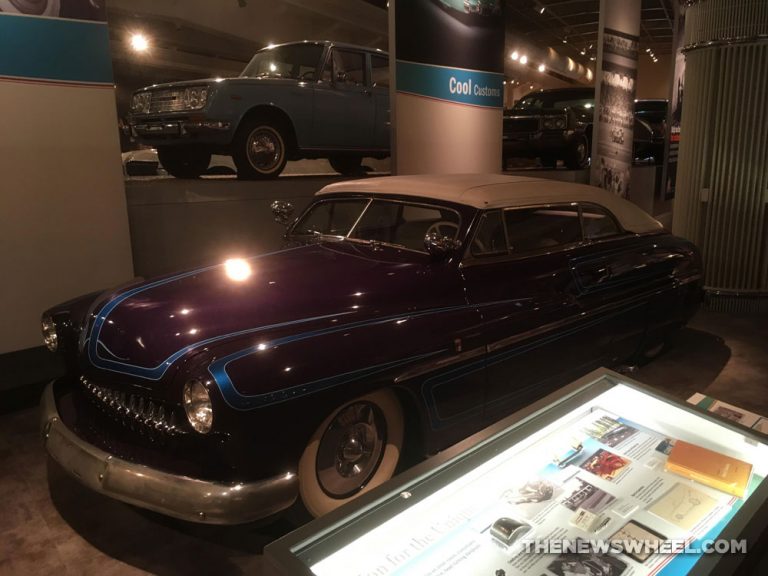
[[576, 23]]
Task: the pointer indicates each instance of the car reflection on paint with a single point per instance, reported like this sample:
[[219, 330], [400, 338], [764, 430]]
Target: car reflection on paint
[[403, 315]]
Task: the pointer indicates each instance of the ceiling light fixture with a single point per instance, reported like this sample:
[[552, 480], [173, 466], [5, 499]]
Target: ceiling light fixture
[[523, 59], [542, 68], [139, 42], [515, 55]]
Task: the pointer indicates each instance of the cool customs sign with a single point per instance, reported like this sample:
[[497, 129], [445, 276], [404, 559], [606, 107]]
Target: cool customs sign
[[470, 87]]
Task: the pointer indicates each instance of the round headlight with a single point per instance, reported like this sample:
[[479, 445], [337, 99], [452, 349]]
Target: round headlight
[[50, 337], [197, 405]]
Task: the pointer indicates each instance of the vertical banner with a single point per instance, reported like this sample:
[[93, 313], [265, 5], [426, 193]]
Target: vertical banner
[[613, 131], [449, 85], [675, 112]]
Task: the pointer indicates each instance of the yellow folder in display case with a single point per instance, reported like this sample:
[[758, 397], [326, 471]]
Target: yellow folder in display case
[[710, 468]]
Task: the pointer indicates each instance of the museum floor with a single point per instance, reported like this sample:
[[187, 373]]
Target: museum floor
[[50, 524]]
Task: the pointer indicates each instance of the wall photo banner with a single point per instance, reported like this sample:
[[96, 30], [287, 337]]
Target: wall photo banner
[[612, 163]]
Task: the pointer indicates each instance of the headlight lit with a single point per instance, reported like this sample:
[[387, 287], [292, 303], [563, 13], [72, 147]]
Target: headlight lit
[[197, 405], [50, 337]]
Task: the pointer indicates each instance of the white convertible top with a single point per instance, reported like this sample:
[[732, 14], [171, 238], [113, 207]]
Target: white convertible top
[[486, 191]]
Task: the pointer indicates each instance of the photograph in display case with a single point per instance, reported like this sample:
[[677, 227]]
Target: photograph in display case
[[588, 564], [606, 465], [684, 506], [588, 497], [468, 518], [634, 532]]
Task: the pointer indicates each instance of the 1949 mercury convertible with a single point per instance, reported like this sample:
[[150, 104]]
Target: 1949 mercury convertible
[[403, 311]]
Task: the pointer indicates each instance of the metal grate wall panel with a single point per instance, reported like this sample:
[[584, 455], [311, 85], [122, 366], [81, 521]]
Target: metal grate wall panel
[[722, 199]]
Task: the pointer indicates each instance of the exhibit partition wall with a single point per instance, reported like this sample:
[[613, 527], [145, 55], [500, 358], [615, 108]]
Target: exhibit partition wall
[[615, 80], [448, 58], [63, 218]]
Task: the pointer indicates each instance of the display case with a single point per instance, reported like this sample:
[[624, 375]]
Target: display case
[[606, 476]]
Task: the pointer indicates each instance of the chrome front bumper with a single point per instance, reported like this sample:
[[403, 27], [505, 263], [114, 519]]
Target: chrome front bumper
[[173, 495]]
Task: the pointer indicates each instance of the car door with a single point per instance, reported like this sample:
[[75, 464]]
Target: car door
[[622, 280], [344, 108], [517, 274], [380, 88]]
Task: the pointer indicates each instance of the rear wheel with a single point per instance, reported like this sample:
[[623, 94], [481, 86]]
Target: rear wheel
[[578, 155], [259, 149], [184, 161], [348, 165], [354, 450]]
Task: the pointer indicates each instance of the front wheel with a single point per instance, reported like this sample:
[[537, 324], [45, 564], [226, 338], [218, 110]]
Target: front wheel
[[259, 149], [578, 155], [354, 450], [347, 165], [184, 161]]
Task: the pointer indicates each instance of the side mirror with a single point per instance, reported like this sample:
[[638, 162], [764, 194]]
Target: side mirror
[[440, 247], [282, 211]]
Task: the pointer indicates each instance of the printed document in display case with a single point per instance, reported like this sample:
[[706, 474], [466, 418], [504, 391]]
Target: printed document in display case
[[599, 478]]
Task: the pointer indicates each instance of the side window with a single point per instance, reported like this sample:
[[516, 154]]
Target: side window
[[348, 67], [380, 71], [490, 239], [597, 222], [531, 229]]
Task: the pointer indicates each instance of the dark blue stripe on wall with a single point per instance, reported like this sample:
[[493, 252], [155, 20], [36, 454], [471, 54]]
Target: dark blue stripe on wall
[[54, 49]]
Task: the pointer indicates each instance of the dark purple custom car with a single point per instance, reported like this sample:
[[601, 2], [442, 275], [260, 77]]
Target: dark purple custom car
[[404, 312]]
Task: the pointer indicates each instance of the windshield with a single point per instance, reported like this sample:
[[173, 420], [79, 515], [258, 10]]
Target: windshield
[[297, 61], [559, 100], [400, 224]]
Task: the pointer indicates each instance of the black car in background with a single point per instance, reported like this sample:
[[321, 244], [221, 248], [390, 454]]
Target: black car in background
[[557, 125], [653, 111]]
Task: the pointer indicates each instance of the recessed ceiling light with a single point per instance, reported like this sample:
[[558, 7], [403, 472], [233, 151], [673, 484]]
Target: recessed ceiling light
[[515, 55], [523, 59], [542, 68]]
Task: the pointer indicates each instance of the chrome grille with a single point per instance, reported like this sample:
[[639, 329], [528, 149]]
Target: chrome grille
[[166, 101], [134, 408], [521, 124]]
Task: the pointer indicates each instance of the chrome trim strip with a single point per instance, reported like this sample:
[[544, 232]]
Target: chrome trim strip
[[170, 494]]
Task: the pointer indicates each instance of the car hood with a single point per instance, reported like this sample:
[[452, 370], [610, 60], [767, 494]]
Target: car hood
[[233, 81], [147, 327]]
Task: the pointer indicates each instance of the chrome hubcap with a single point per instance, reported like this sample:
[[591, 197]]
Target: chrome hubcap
[[264, 149], [350, 450]]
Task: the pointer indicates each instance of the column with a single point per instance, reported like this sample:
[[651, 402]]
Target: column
[[448, 93], [63, 216], [615, 77]]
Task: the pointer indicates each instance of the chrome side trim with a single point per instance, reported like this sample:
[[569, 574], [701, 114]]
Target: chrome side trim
[[182, 497]]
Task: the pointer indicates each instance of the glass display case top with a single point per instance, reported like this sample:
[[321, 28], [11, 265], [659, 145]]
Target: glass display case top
[[610, 479]]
